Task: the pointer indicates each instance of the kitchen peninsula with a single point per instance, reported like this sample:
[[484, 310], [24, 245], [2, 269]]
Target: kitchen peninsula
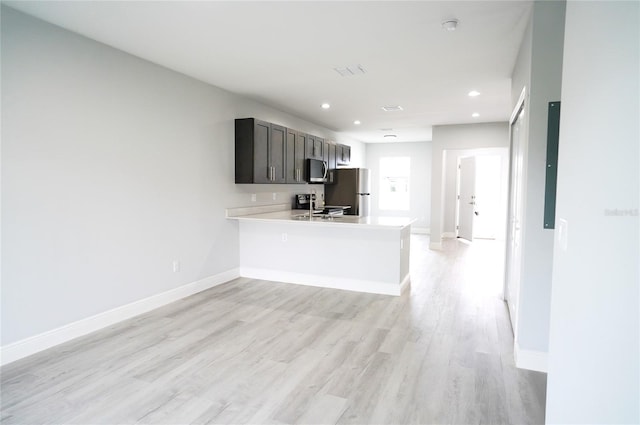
[[365, 254]]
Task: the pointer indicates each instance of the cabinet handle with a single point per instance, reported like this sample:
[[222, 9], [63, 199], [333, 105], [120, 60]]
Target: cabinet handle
[[273, 173]]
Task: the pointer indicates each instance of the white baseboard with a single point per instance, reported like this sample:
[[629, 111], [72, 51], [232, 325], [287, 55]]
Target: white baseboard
[[28, 346], [320, 281], [420, 230], [448, 235], [405, 284], [530, 359]]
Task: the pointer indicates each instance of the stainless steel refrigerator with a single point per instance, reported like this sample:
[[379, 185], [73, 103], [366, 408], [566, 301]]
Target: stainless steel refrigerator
[[350, 188]]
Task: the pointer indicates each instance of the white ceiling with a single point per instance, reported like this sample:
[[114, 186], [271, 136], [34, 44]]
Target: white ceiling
[[284, 53]]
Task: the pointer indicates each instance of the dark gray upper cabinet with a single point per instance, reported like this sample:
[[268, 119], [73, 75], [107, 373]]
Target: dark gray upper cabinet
[[330, 158], [314, 147], [331, 155], [343, 154], [260, 151], [278, 153], [271, 153], [295, 156]]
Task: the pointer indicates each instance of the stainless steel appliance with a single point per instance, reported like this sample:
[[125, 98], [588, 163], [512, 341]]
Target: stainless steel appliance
[[350, 188], [316, 171]]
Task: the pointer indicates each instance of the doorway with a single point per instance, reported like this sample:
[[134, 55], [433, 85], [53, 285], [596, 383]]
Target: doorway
[[481, 194]]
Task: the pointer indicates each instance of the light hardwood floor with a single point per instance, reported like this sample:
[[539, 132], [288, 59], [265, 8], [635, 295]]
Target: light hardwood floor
[[269, 353]]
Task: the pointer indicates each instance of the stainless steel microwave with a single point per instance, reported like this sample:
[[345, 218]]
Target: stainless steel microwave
[[316, 171]]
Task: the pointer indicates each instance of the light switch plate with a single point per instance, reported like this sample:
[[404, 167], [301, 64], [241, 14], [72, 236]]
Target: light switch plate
[[563, 234]]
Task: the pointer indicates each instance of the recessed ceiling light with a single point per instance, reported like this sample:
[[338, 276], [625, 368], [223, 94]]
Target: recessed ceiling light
[[390, 136], [325, 106], [474, 93], [356, 122], [392, 108], [475, 115], [450, 24]]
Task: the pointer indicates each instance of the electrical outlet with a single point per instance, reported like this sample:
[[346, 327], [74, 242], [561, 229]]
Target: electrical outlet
[[284, 237], [253, 197], [274, 196], [176, 266]]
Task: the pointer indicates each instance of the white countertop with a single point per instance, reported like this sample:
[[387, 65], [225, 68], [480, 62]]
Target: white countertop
[[301, 217]]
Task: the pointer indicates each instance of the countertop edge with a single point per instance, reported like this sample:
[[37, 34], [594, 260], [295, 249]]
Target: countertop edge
[[286, 217]]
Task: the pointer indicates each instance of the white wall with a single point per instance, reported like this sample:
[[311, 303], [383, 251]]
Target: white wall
[[539, 70], [112, 167], [447, 139], [420, 180], [594, 366]]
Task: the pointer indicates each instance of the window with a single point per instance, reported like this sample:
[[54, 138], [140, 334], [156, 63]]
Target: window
[[394, 183]]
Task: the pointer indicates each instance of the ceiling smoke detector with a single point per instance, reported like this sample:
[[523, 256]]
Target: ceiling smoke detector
[[450, 24]]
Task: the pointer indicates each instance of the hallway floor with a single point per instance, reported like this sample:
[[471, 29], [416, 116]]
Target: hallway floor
[[262, 352]]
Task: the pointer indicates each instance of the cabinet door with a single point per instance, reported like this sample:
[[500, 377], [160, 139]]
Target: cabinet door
[[301, 142], [278, 154], [344, 154], [295, 156], [318, 148], [292, 136], [314, 145], [262, 172], [308, 146], [332, 156]]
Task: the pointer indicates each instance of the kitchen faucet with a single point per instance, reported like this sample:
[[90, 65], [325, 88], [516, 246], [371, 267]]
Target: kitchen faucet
[[312, 195]]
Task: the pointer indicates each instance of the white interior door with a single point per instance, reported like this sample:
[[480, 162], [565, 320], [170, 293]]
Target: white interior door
[[514, 231], [467, 198]]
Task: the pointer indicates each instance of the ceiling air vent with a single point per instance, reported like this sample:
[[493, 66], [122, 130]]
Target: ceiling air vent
[[392, 108], [351, 70]]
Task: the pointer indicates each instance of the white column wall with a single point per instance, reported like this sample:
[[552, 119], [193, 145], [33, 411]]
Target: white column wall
[[538, 70], [594, 355]]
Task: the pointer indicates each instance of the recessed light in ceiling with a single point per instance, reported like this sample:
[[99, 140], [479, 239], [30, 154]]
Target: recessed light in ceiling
[[357, 122], [390, 136], [475, 115], [325, 106], [351, 70], [450, 24], [474, 93], [392, 108]]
